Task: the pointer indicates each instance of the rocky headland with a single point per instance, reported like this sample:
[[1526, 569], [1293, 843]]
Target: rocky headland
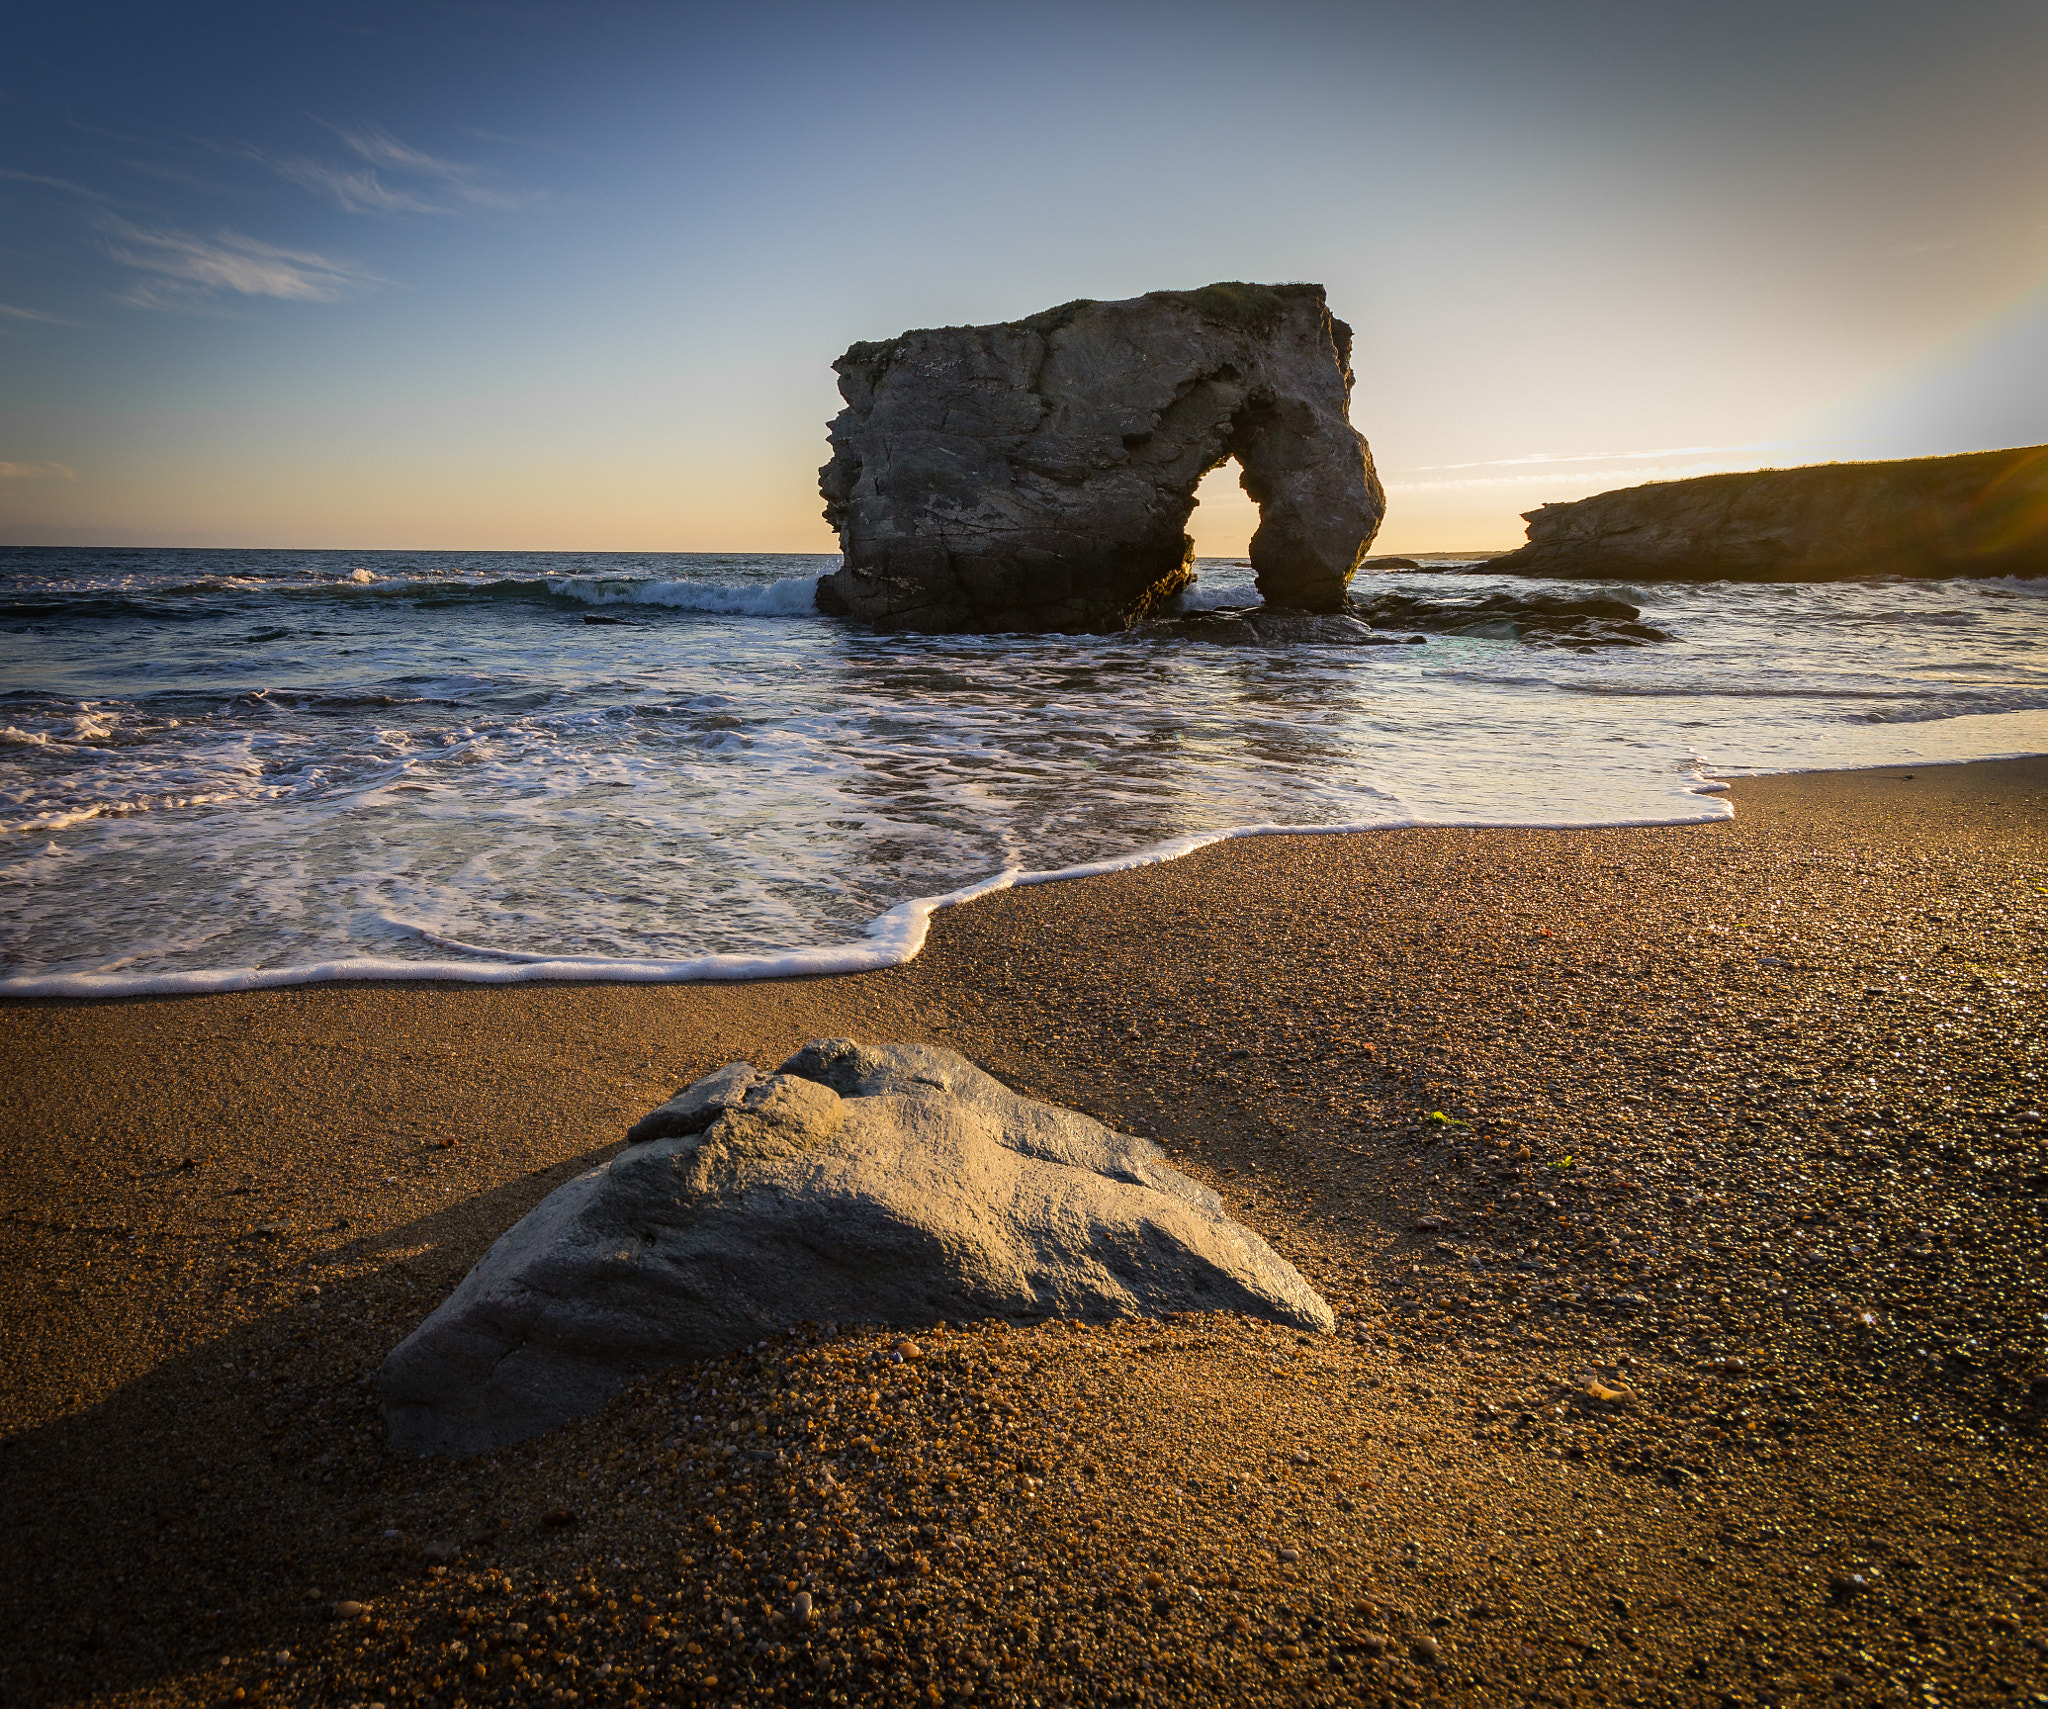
[[1039, 474], [1985, 514]]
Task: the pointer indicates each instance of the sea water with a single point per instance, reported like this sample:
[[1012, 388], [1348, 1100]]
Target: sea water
[[221, 769]]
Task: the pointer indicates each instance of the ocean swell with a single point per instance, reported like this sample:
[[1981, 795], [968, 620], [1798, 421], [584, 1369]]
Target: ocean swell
[[211, 601]]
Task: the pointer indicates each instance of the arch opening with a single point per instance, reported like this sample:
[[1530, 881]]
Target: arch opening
[[1224, 518]]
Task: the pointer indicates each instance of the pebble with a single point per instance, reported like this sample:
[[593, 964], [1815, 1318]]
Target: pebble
[[349, 1610], [803, 1606]]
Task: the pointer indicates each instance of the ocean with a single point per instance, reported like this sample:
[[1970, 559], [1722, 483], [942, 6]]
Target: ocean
[[229, 769]]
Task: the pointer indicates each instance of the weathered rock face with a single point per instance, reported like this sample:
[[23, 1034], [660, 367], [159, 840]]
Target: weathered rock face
[[889, 1184], [1040, 474], [1981, 515]]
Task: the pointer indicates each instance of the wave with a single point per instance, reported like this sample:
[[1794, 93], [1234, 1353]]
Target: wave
[[60, 608], [792, 596], [1211, 597], [1227, 584], [893, 939]]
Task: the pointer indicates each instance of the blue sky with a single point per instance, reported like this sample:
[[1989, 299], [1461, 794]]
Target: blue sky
[[573, 277]]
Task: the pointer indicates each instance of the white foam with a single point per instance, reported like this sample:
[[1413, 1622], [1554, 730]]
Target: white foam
[[893, 939], [111, 763], [1216, 596]]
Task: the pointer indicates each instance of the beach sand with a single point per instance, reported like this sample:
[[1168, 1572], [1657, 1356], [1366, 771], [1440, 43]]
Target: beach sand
[[1739, 1123]]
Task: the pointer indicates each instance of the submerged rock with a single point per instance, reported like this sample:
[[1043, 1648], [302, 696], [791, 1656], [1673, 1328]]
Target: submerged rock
[[1541, 619], [1544, 620], [893, 1184], [1985, 514], [1040, 474]]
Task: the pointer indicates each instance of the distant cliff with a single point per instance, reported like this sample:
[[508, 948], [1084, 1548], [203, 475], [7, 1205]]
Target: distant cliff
[[1985, 514]]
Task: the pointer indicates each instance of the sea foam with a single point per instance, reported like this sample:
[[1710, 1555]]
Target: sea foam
[[893, 939], [239, 769]]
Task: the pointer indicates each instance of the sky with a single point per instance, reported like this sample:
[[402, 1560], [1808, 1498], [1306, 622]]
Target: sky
[[572, 277]]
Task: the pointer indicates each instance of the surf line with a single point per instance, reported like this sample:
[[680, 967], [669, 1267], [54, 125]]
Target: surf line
[[892, 939]]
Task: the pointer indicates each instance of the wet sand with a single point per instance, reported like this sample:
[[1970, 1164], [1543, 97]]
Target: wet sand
[[1737, 1123]]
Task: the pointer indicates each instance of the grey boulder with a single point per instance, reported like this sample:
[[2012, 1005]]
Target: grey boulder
[[893, 1184], [1039, 474]]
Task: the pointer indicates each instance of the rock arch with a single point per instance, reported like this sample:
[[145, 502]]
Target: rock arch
[[1039, 474]]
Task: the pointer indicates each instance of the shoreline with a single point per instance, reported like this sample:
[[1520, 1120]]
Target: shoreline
[[895, 937], [1711, 1093]]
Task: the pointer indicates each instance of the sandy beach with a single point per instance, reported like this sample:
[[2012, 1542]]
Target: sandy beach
[[1680, 1192]]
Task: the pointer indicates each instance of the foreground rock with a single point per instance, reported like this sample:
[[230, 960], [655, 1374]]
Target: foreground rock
[[1040, 474], [1981, 515], [891, 1184]]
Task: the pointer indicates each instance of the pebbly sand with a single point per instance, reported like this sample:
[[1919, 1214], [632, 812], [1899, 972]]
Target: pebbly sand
[[1735, 1126]]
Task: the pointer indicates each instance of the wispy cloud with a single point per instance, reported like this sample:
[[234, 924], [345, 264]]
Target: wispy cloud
[[36, 472], [181, 269], [380, 148], [48, 183], [9, 312], [170, 172], [357, 192], [439, 186]]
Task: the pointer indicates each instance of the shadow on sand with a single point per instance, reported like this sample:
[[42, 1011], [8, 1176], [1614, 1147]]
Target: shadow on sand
[[237, 1491]]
